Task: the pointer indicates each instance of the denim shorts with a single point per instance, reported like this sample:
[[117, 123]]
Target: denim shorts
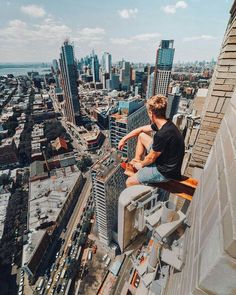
[[150, 174]]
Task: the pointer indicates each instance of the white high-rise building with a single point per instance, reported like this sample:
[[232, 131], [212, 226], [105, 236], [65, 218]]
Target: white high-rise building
[[106, 63], [150, 86], [162, 82], [108, 181]]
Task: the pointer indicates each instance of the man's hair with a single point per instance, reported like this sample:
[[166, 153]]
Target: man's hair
[[157, 105]]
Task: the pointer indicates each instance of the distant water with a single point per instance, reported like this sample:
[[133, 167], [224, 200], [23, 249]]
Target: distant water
[[23, 71]]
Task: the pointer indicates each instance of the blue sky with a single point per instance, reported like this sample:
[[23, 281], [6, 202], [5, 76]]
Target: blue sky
[[32, 31]]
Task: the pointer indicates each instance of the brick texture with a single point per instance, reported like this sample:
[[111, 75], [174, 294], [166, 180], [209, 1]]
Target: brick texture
[[219, 93], [210, 242]]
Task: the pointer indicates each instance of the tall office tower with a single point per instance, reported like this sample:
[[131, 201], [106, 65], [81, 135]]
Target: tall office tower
[[173, 104], [95, 67], [115, 82], [139, 81], [132, 113], [106, 71], [69, 76], [80, 66], [55, 66], [150, 86], [88, 61], [55, 71], [163, 66], [106, 63], [108, 181], [125, 76]]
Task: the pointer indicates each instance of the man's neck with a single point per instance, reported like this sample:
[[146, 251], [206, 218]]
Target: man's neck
[[160, 122]]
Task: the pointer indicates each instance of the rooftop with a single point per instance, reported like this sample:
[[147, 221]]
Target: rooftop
[[46, 199], [106, 166]]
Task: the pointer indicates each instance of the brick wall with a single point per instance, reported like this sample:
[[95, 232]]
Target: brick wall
[[210, 244], [219, 94]]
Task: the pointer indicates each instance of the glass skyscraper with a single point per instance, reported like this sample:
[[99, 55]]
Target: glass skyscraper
[[95, 67], [163, 66], [106, 63], [69, 76], [125, 76], [165, 55]]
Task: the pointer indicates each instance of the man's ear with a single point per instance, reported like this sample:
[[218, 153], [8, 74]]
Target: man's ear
[[153, 117]]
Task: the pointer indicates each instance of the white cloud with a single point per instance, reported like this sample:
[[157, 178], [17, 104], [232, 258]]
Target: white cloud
[[202, 37], [120, 41], [128, 13], [181, 4], [171, 9], [32, 42], [90, 36], [91, 33], [47, 30], [33, 10], [135, 38], [146, 37]]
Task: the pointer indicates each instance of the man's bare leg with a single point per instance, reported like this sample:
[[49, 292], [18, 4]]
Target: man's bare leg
[[132, 180], [129, 171], [144, 142]]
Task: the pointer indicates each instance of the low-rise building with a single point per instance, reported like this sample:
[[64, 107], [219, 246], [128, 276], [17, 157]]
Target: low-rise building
[[93, 139], [50, 204], [8, 153]]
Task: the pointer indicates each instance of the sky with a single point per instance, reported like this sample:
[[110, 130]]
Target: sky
[[33, 31]]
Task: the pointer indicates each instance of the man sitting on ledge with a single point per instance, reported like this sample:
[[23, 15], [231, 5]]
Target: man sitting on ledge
[[164, 152]]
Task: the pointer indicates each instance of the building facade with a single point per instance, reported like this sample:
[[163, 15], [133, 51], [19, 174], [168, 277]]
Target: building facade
[[132, 113], [219, 93], [108, 181], [173, 104], [125, 76], [69, 76], [106, 63], [8, 153], [163, 66], [95, 67]]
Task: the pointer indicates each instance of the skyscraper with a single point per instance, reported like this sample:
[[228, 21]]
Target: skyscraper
[[125, 76], [132, 113], [173, 104], [163, 66], [55, 65], [106, 63], [108, 181], [150, 85], [55, 71], [106, 71], [69, 76], [95, 67]]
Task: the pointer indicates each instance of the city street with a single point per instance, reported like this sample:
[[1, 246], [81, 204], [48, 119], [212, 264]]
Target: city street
[[74, 220]]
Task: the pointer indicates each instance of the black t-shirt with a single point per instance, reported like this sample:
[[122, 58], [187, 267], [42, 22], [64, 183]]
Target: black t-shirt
[[169, 141]]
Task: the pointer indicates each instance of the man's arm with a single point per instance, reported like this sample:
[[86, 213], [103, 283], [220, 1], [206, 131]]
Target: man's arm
[[134, 133], [148, 160]]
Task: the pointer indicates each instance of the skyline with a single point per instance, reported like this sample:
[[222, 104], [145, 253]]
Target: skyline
[[26, 27]]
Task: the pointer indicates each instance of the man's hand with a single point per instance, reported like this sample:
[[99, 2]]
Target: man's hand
[[121, 144], [136, 164]]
